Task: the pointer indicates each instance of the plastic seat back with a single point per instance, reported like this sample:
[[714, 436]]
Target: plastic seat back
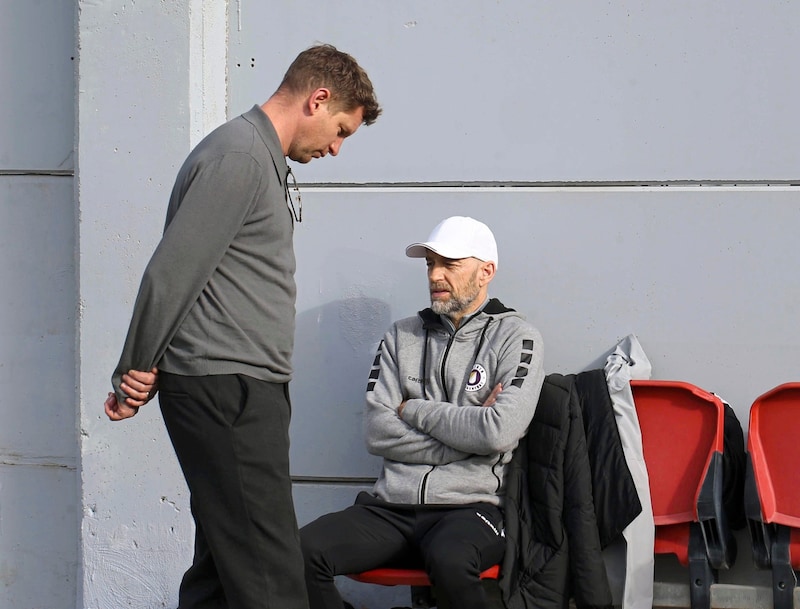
[[772, 495], [682, 430], [774, 447]]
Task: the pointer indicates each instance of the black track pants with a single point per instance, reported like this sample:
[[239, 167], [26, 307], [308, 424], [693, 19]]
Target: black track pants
[[454, 545]]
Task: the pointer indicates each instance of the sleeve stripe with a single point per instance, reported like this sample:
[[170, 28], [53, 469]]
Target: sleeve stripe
[[375, 373], [525, 358]]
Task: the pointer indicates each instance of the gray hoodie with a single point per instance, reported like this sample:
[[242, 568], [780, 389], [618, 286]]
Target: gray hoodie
[[448, 448]]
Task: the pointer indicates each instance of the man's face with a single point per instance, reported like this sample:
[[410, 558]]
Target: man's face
[[323, 133], [454, 285]]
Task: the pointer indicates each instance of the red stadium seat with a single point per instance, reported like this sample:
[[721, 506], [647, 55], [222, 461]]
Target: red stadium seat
[[408, 577], [772, 494], [416, 578], [682, 434]]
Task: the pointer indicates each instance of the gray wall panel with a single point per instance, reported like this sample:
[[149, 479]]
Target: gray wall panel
[[136, 123], [547, 91], [705, 277], [38, 308], [39, 562], [37, 80]]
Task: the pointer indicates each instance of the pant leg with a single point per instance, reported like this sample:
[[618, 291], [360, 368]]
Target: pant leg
[[200, 587], [230, 434], [457, 547], [353, 540]]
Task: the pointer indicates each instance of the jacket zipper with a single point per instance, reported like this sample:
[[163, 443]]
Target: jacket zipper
[[444, 364], [494, 472], [447, 352], [424, 486]]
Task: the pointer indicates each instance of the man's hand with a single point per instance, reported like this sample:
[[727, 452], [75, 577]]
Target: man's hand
[[139, 386], [489, 400], [493, 395], [116, 411]]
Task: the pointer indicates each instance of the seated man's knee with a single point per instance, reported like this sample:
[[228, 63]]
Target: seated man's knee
[[311, 547], [449, 563]]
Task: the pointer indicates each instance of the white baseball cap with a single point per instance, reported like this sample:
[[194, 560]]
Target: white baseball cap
[[458, 237]]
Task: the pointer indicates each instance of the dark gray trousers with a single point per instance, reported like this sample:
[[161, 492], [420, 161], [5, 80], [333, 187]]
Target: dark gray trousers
[[231, 437]]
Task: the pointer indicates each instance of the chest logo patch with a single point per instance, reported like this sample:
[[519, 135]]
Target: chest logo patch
[[477, 378]]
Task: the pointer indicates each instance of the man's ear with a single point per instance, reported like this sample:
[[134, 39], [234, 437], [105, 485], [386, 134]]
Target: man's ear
[[487, 272], [318, 99]]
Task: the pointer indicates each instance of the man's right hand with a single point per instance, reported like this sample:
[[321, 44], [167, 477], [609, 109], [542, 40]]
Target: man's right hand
[[493, 395], [116, 411]]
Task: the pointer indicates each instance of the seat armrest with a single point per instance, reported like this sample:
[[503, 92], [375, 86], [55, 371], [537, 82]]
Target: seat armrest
[[719, 540], [761, 533]]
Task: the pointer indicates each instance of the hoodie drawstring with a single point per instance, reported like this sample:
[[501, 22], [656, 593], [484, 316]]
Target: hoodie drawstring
[[480, 342], [425, 367]]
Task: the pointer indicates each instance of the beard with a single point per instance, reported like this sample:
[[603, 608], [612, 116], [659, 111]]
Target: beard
[[458, 302]]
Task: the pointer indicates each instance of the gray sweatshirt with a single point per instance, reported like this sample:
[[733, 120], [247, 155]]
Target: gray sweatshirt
[[218, 294], [448, 448]]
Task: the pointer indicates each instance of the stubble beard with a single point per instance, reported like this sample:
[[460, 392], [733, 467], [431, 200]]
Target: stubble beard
[[458, 303]]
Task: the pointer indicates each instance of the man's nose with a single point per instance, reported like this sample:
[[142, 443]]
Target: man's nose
[[336, 146]]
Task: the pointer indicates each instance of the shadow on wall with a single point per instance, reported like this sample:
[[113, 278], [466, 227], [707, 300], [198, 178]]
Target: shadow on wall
[[335, 345]]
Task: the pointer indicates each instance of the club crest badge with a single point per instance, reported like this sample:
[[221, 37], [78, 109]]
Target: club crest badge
[[477, 378]]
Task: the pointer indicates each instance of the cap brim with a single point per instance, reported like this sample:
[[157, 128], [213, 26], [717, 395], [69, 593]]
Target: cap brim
[[417, 250], [420, 250]]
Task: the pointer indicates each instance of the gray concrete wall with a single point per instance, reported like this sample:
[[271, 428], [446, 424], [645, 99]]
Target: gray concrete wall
[[637, 164], [151, 81], [39, 498]]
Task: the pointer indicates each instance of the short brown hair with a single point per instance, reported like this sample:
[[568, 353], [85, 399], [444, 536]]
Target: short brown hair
[[323, 65]]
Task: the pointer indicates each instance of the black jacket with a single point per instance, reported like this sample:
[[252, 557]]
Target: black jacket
[[554, 536]]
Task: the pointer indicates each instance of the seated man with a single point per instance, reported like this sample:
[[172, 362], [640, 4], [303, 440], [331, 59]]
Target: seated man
[[451, 392]]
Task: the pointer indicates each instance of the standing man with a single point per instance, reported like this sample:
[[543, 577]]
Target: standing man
[[451, 392], [214, 319]]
